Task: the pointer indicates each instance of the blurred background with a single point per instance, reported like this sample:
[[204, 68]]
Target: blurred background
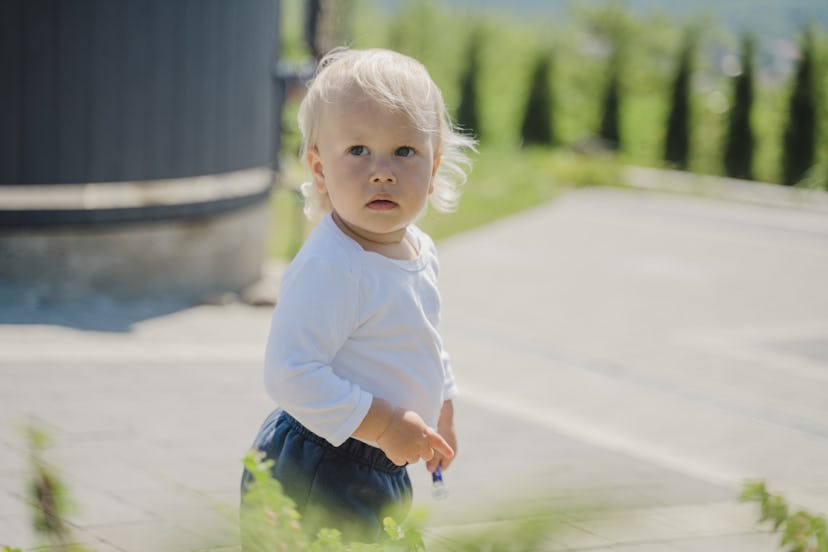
[[726, 88], [120, 113]]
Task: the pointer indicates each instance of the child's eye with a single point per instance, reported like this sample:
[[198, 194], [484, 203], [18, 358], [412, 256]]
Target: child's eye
[[405, 151], [358, 150]]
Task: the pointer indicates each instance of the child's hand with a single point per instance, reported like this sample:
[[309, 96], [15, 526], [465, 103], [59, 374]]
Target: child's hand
[[407, 439]]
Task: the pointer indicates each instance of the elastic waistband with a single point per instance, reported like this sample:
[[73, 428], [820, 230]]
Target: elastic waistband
[[352, 449]]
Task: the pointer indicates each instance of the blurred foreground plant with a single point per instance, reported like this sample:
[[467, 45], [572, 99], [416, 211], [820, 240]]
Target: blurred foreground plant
[[270, 521], [801, 530], [46, 492], [47, 497]]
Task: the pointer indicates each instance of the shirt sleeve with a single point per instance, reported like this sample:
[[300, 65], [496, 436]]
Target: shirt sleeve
[[315, 314], [449, 385]]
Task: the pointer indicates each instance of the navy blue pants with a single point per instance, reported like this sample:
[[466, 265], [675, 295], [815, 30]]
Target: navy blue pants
[[351, 487]]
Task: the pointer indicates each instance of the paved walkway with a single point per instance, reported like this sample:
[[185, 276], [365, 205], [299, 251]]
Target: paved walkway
[[626, 359]]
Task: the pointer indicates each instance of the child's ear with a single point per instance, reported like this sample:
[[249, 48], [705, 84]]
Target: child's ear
[[437, 159], [316, 168]]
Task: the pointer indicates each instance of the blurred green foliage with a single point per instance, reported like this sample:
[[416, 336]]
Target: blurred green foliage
[[647, 45], [595, 44], [537, 117], [802, 531], [47, 497], [270, 521], [678, 127], [610, 130], [800, 132], [468, 118], [739, 142]]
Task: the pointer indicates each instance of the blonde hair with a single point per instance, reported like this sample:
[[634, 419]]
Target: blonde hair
[[403, 84]]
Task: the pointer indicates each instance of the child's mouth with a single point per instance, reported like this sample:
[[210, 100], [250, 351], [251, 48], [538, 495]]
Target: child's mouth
[[382, 204]]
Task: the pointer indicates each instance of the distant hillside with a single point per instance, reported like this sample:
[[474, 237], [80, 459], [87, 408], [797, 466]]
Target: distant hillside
[[776, 24], [770, 19]]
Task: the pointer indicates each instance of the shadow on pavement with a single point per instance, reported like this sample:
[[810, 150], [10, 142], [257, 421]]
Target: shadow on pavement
[[98, 314]]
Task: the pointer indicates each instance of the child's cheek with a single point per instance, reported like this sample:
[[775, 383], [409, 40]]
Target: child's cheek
[[355, 173]]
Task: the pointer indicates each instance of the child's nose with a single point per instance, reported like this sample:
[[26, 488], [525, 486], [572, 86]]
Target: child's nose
[[383, 174]]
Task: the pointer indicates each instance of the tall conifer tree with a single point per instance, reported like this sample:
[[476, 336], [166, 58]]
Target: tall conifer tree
[[610, 130], [537, 119], [677, 137], [800, 134], [467, 113], [739, 144]]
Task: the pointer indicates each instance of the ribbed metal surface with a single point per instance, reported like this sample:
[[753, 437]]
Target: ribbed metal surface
[[133, 90]]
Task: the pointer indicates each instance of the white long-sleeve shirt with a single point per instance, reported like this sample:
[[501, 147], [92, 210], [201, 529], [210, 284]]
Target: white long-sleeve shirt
[[350, 325]]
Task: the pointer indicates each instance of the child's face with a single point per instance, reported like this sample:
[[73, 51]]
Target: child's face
[[375, 165]]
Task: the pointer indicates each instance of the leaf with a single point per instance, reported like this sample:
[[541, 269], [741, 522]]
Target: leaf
[[775, 509], [269, 519], [754, 491], [392, 529], [797, 530], [803, 531], [328, 540]]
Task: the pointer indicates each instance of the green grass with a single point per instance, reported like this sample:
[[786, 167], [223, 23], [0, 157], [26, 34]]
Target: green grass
[[503, 181], [287, 225]]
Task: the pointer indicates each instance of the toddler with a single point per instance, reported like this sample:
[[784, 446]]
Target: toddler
[[354, 359]]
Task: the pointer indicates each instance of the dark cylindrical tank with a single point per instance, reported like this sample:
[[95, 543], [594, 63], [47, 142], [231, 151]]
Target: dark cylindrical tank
[[137, 144]]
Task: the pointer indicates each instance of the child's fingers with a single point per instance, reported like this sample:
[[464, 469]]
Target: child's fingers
[[438, 460], [428, 455], [432, 464], [436, 442]]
